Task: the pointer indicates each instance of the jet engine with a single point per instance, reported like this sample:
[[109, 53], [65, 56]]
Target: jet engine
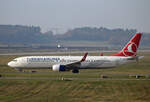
[[59, 67]]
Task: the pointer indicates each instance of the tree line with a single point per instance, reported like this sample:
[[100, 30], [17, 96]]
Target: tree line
[[15, 34]]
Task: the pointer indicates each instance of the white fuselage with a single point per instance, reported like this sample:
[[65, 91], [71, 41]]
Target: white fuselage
[[39, 62]]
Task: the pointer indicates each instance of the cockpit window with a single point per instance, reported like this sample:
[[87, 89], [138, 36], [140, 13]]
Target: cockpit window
[[15, 60]]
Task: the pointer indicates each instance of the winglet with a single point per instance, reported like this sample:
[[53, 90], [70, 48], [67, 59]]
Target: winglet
[[84, 57]]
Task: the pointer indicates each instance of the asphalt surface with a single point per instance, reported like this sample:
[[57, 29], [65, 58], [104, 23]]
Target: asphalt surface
[[58, 52], [92, 76], [45, 53], [66, 79]]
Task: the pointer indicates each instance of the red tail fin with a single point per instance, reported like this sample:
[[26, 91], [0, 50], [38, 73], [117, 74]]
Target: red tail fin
[[131, 48]]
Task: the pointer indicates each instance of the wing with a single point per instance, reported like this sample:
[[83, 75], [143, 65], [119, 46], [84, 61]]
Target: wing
[[76, 64]]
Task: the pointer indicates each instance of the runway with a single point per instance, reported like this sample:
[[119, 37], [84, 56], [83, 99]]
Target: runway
[[58, 52], [48, 53], [86, 76], [67, 79]]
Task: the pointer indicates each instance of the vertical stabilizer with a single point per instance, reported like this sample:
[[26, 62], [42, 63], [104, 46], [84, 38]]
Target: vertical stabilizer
[[131, 47]]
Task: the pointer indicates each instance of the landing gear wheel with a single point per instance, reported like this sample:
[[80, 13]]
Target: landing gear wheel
[[75, 71], [20, 70]]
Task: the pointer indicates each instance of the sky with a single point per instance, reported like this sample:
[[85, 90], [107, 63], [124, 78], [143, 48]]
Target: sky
[[68, 14]]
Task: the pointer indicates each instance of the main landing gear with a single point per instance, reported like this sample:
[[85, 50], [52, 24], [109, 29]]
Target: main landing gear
[[20, 70], [75, 71]]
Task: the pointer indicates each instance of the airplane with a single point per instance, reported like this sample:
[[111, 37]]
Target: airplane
[[74, 63]]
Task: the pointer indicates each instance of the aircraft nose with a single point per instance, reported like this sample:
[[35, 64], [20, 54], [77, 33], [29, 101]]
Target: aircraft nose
[[10, 64]]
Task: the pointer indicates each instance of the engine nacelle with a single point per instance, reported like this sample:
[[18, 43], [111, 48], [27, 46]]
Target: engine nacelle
[[58, 67]]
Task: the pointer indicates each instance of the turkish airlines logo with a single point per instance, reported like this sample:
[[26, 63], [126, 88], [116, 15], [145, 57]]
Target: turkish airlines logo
[[130, 50]]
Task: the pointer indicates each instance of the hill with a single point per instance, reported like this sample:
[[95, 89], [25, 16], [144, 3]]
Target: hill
[[22, 34], [18, 34], [112, 36]]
